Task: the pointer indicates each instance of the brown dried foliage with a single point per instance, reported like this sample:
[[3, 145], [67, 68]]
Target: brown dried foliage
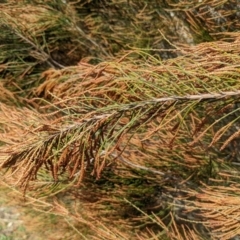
[[167, 143], [134, 147]]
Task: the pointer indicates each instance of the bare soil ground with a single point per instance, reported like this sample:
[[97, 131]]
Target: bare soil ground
[[21, 222]]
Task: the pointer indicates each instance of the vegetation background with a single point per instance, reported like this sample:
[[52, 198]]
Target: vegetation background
[[120, 119]]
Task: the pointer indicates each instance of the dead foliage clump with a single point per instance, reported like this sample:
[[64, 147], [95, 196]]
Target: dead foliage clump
[[39, 35], [123, 138], [139, 143]]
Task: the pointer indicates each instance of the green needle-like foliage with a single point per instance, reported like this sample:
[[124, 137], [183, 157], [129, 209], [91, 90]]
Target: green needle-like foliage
[[112, 131]]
